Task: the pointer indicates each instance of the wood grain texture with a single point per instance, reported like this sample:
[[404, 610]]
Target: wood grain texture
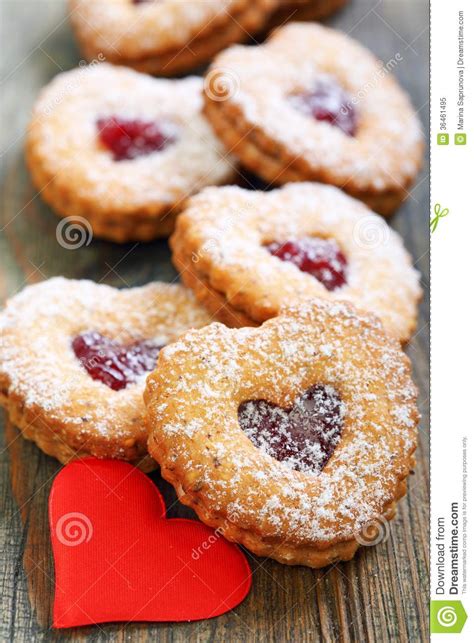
[[382, 595]]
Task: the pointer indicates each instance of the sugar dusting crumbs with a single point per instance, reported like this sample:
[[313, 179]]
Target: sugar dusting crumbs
[[326, 350], [277, 362], [192, 427], [401, 413], [169, 428], [38, 365]]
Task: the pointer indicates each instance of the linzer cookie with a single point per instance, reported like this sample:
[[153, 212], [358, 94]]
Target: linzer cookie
[[247, 254], [313, 105], [122, 149], [295, 438], [74, 356], [164, 36]]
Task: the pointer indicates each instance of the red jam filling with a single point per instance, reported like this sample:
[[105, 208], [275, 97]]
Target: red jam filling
[[321, 258], [303, 437], [127, 139], [113, 363], [328, 102]]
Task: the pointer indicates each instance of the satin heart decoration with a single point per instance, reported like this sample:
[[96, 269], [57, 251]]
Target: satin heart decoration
[[117, 557]]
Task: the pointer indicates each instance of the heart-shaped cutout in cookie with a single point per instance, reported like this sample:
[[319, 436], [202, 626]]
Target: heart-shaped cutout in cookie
[[302, 437], [117, 557], [130, 138], [321, 258], [113, 363], [327, 101]]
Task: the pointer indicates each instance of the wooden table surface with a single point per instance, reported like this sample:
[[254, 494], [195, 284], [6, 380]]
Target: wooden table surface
[[381, 595]]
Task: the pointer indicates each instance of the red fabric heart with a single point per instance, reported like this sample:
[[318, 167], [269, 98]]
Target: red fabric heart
[[117, 557]]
